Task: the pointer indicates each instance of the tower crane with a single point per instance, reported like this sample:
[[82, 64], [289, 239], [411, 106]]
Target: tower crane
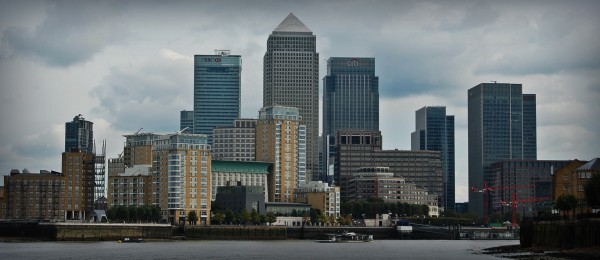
[[514, 202], [486, 190]]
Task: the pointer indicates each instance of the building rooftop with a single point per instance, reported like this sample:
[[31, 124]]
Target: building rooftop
[[240, 166], [292, 24], [593, 165]]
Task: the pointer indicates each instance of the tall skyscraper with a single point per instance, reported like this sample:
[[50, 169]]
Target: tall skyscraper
[[350, 100], [435, 131], [79, 135], [186, 121], [291, 78], [281, 139], [501, 127], [217, 90]]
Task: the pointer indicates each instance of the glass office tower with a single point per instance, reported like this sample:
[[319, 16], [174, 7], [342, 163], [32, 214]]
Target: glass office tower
[[434, 131], [350, 100], [186, 121], [79, 135], [217, 91], [501, 127], [291, 78]]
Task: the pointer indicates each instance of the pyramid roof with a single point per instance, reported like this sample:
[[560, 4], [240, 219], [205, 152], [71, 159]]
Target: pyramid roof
[[292, 24]]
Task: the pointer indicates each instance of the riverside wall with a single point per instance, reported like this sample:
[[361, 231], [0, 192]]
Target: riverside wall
[[83, 232], [107, 232], [561, 234], [235, 233]]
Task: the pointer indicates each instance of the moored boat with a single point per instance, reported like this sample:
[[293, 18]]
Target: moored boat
[[346, 237]]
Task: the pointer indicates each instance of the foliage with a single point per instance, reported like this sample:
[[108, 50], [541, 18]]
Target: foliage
[[218, 218], [192, 217], [245, 216], [271, 218], [592, 191], [254, 217], [566, 202], [370, 206], [229, 217], [144, 213]]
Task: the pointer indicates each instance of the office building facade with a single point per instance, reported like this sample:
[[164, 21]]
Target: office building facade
[[291, 78], [319, 195], [235, 142], [529, 180], [217, 91], [381, 183], [186, 121], [350, 99], [281, 139], [434, 130], [502, 126], [79, 135], [358, 149], [240, 173]]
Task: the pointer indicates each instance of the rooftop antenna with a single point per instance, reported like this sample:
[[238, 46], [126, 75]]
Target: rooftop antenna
[[222, 52], [181, 131]]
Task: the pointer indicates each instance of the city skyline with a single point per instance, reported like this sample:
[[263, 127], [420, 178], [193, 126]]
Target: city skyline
[[124, 69]]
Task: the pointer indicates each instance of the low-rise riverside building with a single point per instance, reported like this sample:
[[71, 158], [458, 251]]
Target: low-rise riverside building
[[131, 188], [50, 196], [571, 179], [240, 173], [380, 182], [239, 198], [320, 196]]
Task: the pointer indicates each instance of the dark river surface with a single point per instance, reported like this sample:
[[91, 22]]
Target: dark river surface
[[282, 249]]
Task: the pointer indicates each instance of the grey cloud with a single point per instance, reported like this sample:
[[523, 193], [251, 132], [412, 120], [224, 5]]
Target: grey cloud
[[562, 38], [71, 33], [149, 95]]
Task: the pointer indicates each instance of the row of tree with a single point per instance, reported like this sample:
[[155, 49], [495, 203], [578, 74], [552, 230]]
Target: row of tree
[[144, 213], [372, 206], [243, 217]]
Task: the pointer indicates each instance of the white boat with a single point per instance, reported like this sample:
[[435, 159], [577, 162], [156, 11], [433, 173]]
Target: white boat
[[346, 237]]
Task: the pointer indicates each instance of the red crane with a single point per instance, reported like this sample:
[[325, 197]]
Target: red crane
[[514, 202], [486, 189]]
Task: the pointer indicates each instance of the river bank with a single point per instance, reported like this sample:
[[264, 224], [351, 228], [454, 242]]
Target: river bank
[[539, 253]]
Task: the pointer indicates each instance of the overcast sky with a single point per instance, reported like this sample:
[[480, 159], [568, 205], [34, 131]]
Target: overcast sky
[[127, 65]]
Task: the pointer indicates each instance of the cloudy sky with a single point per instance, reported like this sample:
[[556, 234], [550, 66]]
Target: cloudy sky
[[127, 65]]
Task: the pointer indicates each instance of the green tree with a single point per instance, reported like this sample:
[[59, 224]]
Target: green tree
[[122, 213], [592, 191], [218, 217], [133, 213], [254, 217], [271, 218], [229, 217], [246, 216], [566, 203], [192, 217], [262, 219]]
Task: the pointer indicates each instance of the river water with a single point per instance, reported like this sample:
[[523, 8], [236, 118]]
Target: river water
[[281, 249]]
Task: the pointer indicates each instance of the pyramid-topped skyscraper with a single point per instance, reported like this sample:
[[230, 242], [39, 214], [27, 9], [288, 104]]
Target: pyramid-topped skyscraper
[[291, 78]]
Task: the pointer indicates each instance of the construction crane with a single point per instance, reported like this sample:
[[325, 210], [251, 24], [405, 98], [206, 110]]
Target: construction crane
[[514, 202], [486, 190]]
